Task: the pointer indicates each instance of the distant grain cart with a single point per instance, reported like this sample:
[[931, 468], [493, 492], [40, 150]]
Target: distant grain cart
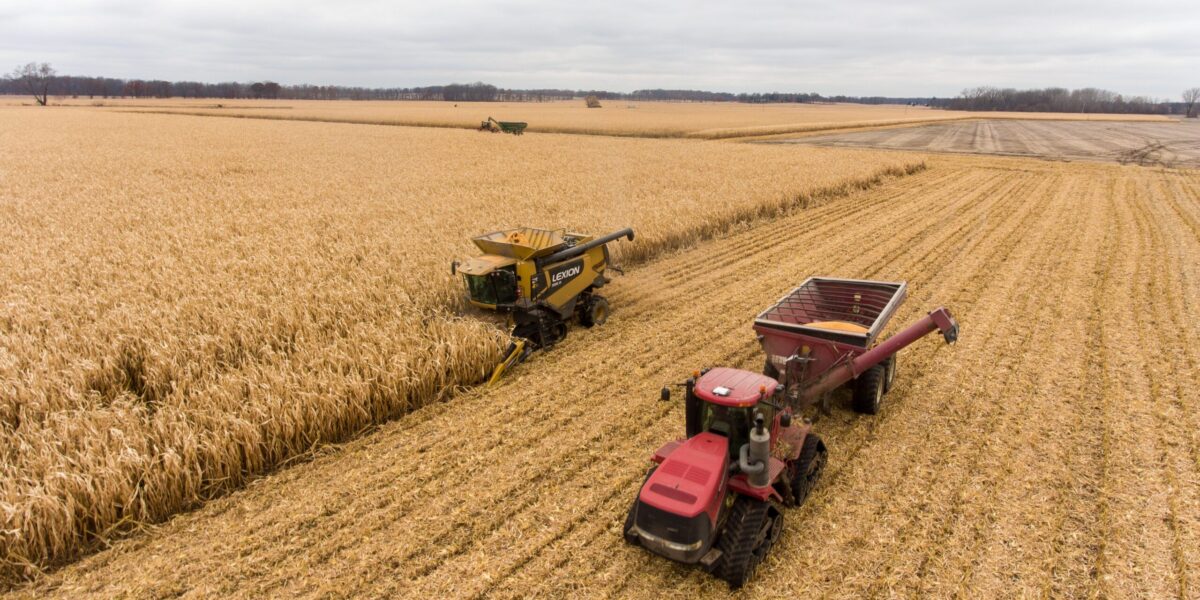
[[494, 126]]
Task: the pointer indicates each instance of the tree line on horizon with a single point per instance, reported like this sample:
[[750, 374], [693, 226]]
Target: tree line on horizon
[[42, 81], [1056, 99]]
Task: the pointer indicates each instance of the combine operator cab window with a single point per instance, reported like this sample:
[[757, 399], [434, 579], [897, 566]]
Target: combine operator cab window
[[497, 287], [733, 423], [481, 288]]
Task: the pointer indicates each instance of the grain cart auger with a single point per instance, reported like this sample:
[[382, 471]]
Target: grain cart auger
[[715, 498], [542, 279]]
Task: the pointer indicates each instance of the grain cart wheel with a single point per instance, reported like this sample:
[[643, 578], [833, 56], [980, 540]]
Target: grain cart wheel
[[889, 378], [868, 390], [806, 470], [595, 313], [750, 531]]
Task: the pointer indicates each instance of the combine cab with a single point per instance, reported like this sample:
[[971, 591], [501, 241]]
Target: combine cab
[[716, 498], [543, 279]]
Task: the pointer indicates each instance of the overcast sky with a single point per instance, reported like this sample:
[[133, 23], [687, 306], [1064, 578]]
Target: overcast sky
[[892, 48]]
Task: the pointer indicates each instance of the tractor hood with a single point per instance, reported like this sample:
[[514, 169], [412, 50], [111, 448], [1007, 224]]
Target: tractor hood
[[482, 265], [688, 481]]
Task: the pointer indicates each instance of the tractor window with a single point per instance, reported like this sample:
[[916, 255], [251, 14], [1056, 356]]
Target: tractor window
[[481, 289], [733, 423]]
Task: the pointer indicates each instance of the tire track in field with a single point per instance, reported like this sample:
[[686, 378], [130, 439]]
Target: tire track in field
[[1159, 332], [773, 281], [819, 225], [985, 517], [621, 574], [1137, 525], [840, 443], [911, 484]]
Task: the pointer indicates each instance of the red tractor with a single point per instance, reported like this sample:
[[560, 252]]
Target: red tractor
[[715, 498]]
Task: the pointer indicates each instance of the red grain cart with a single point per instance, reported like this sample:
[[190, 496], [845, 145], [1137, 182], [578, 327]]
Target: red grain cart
[[823, 334]]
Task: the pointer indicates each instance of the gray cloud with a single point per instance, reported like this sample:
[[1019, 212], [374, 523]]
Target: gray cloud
[[929, 47]]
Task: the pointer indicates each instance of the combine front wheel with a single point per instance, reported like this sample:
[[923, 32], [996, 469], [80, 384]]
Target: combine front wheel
[[595, 313], [751, 530]]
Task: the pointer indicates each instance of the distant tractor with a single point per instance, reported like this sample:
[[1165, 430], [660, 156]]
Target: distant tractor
[[494, 126], [715, 498], [542, 279]]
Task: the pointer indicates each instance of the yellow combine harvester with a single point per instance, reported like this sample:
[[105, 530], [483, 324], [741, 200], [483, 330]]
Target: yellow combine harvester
[[543, 279]]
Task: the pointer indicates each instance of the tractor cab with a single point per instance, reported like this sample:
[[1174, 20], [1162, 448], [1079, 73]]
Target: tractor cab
[[695, 488], [726, 402]]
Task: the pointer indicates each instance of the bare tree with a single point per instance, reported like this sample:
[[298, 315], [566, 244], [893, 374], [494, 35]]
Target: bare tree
[[36, 79], [1190, 98]]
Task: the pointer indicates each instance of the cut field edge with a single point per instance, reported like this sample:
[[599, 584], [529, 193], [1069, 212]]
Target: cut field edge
[[18, 571]]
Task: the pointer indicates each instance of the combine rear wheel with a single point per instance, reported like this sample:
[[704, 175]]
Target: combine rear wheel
[[750, 531], [868, 390], [595, 312], [807, 468]]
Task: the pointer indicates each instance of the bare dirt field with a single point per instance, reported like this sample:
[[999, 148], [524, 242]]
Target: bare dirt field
[[1174, 143], [1052, 451]]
